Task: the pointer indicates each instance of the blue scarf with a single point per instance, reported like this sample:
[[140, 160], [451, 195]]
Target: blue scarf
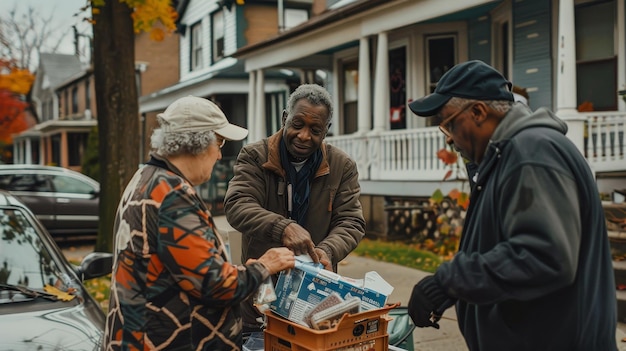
[[300, 181]]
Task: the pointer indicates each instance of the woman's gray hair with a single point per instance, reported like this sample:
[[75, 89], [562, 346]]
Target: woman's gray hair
[[315, 94], [501, 106], [173, 144]]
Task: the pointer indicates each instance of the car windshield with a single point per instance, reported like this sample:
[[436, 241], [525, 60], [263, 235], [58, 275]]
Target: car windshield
[[24, 259]]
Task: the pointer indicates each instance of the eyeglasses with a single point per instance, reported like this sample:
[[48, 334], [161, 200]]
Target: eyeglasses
[[219, 142], [446, 126]]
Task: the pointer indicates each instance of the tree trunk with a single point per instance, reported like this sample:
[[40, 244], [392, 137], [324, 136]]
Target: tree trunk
[[118, 111]]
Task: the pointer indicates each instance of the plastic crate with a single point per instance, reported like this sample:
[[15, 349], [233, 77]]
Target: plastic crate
[[363, 331]]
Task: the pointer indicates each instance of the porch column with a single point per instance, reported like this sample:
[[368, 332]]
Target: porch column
[[365, 95], [381, 106], [566, 75], [17, 151], [28, 152], [251, 105], [260, 107], [64, 151], [381, 94]]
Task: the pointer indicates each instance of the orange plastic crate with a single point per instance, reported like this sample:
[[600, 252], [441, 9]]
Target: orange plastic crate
[[363, 331]]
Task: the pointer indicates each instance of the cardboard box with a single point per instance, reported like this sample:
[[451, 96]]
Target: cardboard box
[[364, 331], [300, 289]]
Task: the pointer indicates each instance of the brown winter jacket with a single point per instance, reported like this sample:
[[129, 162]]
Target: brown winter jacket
[[256, 201]]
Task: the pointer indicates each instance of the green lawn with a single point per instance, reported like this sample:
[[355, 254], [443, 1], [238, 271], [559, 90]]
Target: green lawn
[[408, 255]]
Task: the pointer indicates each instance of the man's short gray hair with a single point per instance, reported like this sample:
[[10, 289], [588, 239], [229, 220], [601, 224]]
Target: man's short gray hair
[[315, 94], [502, 106], [174, 144]]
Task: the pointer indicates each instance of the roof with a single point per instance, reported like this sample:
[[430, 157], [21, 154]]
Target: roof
[[59, 67]]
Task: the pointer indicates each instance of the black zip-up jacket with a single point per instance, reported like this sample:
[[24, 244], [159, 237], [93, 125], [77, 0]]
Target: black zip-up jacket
[[534, 268]]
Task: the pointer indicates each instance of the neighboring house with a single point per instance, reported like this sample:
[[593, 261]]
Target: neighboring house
[[376, 55], [209, 32], [63, 100]]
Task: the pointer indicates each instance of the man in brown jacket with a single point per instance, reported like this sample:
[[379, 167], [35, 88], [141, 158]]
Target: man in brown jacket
[[294, 190]]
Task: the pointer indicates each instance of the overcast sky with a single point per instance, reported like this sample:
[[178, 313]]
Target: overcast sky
[[62, 14]]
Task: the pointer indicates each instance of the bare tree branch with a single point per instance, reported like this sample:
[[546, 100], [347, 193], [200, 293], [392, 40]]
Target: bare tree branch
[[24, 37]]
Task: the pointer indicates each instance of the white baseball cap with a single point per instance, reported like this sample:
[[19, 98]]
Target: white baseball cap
[[196, 114]]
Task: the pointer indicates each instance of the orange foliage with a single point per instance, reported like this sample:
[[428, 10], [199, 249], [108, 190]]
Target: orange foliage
[[448, 157], [14, 79], [13, 83], [146, 14]]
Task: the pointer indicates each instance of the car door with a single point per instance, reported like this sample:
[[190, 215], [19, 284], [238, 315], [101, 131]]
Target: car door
[[76, 204], [35, 190]]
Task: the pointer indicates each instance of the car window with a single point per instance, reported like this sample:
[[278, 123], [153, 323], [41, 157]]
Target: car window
[[5, 180], [30, 182], [65, 184], [24, 260]]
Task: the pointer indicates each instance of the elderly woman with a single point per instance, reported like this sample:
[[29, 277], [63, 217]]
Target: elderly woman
[[173, 287]]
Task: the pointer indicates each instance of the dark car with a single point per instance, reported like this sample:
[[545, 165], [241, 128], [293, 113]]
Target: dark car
[[66, 202], [43, 304]]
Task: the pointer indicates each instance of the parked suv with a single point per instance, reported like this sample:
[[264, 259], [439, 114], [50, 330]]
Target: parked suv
[[65, 201]]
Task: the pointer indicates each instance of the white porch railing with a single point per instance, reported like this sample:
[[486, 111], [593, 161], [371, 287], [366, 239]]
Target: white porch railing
[[397, 154], [411, 155], [604, 141]]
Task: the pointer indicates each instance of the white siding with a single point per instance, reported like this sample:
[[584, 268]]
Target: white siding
[[197, 10], [230, 31]]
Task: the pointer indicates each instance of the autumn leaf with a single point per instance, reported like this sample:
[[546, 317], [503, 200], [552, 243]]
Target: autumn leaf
[[454, 194], [157, 34], [463, 200], [436, 197], [447, 175], [448, 157], [62, 295]]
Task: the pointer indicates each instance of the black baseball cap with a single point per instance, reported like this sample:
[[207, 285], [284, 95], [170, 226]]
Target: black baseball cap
[[470, 80]]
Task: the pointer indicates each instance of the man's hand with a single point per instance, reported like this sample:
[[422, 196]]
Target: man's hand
[[427, 303], [324, 260], [299, 241]]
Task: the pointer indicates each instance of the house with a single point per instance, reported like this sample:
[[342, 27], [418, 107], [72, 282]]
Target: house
[[63, 100], [209, 32], [376, 55]]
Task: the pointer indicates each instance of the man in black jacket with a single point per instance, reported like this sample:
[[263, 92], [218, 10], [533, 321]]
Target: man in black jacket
[[534, 268]]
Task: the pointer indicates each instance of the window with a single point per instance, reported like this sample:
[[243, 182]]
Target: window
[[27, 182], [74, 100], [87, 95], [65, 184], [77, 143], [196, 46], [596, 58], [294, 17], [397, 84], [66, 101], [441, 56], [217, 20]]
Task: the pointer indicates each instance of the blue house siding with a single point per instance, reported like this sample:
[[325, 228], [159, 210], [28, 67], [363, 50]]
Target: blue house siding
[[532, 53], [479, 39]]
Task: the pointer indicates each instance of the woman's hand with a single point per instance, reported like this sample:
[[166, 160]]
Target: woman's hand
[[278, 259]]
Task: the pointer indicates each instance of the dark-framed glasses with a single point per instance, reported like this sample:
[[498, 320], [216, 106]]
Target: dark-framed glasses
[[446, 126]]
